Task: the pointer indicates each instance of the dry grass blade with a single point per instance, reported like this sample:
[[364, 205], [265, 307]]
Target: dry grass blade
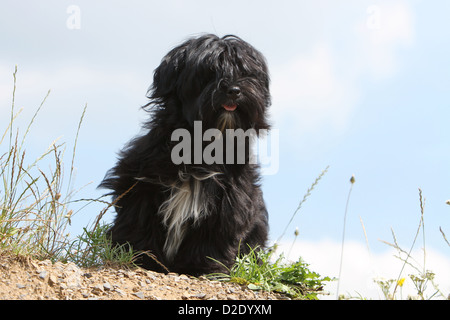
[[443, 234], [75, 147], [32, 119], [352, 182], [102, 213], [305, 197]]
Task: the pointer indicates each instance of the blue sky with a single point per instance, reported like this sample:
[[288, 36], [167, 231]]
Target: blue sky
[[361, 86]]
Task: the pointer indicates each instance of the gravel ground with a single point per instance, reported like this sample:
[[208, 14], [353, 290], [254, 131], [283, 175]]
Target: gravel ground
[[27, 279]]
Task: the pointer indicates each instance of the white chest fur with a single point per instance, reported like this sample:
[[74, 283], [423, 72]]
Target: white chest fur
[[186, 202]]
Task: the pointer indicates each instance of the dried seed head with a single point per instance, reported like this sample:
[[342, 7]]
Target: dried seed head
[[296, 232], [352, 179], [69, 214], [448, 202]]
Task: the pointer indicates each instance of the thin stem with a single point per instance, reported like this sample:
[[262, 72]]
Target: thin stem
[[305, 197], [352, 180]]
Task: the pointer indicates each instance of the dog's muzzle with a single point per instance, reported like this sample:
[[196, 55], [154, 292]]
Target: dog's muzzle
[[233, 94]]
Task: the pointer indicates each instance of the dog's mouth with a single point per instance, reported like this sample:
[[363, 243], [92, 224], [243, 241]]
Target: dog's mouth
[[230, 107]]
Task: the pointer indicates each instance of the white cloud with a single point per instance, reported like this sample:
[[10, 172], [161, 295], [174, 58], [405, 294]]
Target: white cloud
[[320, 88], [67, 79], [360, 267], [110, 95], [389, 26], [310, 90]]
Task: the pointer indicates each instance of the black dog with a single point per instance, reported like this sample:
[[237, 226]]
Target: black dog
[[194, 216]]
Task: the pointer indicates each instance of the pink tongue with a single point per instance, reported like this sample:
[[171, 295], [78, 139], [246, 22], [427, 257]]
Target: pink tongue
[[230, 107]]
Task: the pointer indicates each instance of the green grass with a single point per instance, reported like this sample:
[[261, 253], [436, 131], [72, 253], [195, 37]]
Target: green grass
[[94, 249], [261, 270]]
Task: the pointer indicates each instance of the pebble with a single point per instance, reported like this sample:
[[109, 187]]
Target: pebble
[[139, 294], [43, 274], [123, 294], [98, 289], [52, 279], [107, 286]]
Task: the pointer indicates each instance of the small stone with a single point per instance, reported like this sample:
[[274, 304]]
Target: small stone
[[184, 277], [59, 265], [43, 274], [139, 294], [200, 295], [120, 292], [45, 263], [20, 286], [107, 286], [98, 289], [129, 274], [52, 280], [186, 295]]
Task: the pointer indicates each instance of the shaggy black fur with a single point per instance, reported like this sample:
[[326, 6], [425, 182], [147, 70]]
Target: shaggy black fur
[[224, 83]]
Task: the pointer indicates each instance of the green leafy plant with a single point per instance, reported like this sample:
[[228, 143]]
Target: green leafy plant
[[258, 270]]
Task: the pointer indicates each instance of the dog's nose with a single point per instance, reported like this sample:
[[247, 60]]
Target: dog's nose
[[234, 92]]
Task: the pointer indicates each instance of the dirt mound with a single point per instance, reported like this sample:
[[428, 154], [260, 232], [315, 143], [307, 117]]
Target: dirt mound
[[27, 279]]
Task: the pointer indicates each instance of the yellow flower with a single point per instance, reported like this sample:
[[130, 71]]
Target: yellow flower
[[400, 282]]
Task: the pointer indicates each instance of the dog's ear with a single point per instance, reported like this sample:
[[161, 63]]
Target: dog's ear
[[166, 75]]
